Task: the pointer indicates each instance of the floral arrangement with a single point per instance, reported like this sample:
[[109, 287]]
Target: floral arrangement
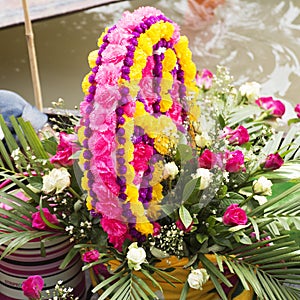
[[168, 182], [176, 167]]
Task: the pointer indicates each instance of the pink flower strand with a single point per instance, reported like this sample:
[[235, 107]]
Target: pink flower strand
[[234, 215], [32, 287]]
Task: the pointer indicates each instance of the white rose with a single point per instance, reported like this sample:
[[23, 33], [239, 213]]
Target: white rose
[[260, 199], [197, 278], [206, 177], [57, 179], [250, 89], [170, 170], [202, 140], [136, 256], [262, 186]]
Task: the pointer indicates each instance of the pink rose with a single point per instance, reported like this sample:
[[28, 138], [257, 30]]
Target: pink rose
[[276, 107], [142, 154], [234, 215], [234, 161], [297, 110], [116, 230], [66, 147], [273, 161], [37, 221], [32, 287], [204, 79], [91, 256], [238, 136], [207, 159]]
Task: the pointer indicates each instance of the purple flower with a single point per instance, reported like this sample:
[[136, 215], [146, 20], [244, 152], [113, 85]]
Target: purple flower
[[276, 107]]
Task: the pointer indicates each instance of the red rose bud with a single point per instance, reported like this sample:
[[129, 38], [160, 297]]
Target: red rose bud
[[90, 256], [273, 162], [207, 159], [238, 136], [32, 287], [234, 215], [234, 161], [180, 226], [276, 107], [297, 110]]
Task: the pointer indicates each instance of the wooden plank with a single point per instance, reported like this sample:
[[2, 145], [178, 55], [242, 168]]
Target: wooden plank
[[11, 11]]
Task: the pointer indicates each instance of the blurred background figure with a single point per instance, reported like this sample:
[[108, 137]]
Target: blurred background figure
[[204, 8], [12, 104]]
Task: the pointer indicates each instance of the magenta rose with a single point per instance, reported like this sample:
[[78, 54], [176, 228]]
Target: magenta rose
[[234, 161], [66, 147], [234, 215], [204, 79], [32, 287], [273, 161], [91, 256], [37, 221], [207, 159], [276, 107], [238, 136], [297, 110]]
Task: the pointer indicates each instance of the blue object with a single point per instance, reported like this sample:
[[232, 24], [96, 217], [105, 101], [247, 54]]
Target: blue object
[[12, 104]]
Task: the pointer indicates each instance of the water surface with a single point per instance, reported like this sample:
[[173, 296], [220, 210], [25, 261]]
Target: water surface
[[257, 40]]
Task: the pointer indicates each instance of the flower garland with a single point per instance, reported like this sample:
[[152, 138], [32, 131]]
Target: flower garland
[[138, 97]]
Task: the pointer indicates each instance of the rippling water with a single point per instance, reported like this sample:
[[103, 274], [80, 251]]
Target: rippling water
[[257, 40]]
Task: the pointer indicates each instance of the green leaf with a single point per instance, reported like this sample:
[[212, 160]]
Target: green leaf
[[185, 217], [189, 188], [107, 281], [184, 291], [68, 258], [113, 287]]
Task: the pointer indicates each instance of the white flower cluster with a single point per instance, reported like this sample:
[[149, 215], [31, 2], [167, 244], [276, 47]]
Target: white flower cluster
[[60, 292]]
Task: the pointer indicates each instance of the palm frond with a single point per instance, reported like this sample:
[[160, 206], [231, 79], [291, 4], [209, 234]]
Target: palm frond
[[273, 275]]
